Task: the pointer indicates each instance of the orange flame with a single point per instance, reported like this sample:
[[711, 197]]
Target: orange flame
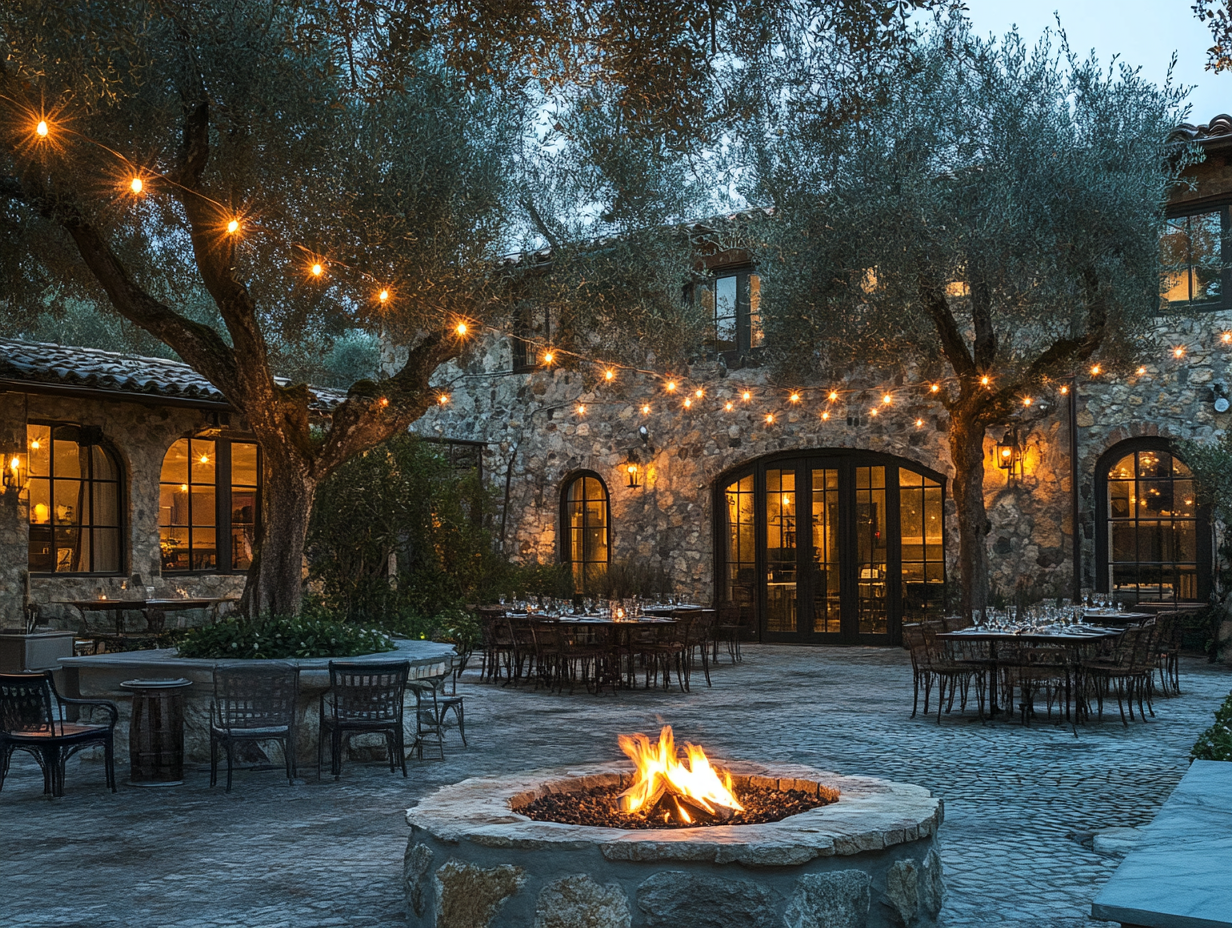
[[659, 771]]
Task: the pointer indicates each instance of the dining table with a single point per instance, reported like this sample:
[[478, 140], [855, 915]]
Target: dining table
[[1075, 638], [153, 609]]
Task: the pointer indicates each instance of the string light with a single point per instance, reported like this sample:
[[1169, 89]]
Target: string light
[[1178, 351], [729, 406], [205, 458], [136, 185], [886, 399], [688, 403], [833, 395], [41, 129], [671, 386], [1226, 338], [1026, 401], [919, 423], [1141, 371], [646, 409], [383, 296], [699, 393], [233, 226], [746, 396], [1064, 390], [795, 397], [461, 328], [581, 409], [769, 418], [825, 415], [443, 399], [317, 269], [548, 357], [874, 411], [1095, 369], [384, 401], [609, 374], [934, 388], [985, 380]]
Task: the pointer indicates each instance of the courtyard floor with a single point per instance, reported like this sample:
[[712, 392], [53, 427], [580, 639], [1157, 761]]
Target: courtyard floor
[[1021, 803]]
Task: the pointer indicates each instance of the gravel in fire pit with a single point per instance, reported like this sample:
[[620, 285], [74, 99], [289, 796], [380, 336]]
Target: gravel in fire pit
[[597, 807]]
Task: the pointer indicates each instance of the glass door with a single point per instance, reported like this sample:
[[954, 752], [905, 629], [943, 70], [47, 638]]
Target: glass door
[[781, 551], [823, 559], [871, 550]]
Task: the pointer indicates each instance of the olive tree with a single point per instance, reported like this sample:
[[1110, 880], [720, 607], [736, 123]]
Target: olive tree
[[991, 220], [310, 168]]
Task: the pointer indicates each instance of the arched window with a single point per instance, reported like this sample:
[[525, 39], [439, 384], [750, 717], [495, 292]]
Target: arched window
[[75, 512], [585, 528], [1154, 543], [209, 505]]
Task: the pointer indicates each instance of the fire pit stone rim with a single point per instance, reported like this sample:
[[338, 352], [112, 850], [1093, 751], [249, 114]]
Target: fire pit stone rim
[[871, 814]]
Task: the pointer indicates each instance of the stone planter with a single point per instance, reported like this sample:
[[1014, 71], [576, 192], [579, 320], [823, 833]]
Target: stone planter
[[99, 677], [866, 861]]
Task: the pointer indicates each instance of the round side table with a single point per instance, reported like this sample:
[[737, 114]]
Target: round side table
[[156, 732]]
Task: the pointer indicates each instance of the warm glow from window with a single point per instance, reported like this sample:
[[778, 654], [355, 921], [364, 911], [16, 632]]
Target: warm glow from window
[[205, 459], [34, 444], [41, 129]]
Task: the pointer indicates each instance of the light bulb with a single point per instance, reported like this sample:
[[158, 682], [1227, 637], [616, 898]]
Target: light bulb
[[34, 444], [887, 399], [383, 296], [1141, 371], [795, 397], [919, 423], [825, 415], [136, 185], [384, 401], [769, 417], [1064, 390], [547, 357], [1026, 401], [317, 269], [874, 411], [1095, 369], [1226, 337], [671, 386], [833, 395], [233, 226], [746, 396], [646, 410], [609, 374], [205, 459], [688, 403], [985, 380], [460, 328], [1178, 352], [41, 129], [729, 406], [699, 393], [443, 399], [935, 387], [581, 409]]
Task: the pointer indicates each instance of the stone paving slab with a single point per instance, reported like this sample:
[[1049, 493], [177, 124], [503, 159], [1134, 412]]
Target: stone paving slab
[[1021, 803]]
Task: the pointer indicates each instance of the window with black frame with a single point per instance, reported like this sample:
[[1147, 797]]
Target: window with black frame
[[532, 330], [75, 511], [209, 505], [1193, 260], [731, 300], [586, 538]]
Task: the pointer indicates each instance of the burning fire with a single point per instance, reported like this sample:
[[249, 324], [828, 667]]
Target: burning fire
[[667, 788]]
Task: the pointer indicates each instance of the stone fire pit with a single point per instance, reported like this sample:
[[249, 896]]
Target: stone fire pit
[[865, 861]]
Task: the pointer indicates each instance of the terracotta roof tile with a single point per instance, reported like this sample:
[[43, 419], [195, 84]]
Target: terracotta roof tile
[[112, 372]]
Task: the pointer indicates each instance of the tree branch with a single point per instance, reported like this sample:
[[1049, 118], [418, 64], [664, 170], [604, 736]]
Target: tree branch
[[932, 295]]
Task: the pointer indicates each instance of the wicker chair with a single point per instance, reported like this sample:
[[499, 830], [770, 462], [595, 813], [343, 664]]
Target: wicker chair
[[32, 720], [253, 701], [363, 698]]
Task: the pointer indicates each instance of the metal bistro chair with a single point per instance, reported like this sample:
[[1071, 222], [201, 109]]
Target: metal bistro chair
[[32, 720], [253, 701], [428, 713], [363, 698]]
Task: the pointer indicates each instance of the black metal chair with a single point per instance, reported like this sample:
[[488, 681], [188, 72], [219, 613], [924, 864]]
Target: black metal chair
[[253, 701], [429, 720], [363, 698], [32, 719]]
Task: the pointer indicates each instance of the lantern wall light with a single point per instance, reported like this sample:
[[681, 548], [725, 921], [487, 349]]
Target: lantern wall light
[[1009, 455]]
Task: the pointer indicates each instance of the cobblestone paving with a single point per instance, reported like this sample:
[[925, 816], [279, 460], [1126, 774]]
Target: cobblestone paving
[[1019, 801]]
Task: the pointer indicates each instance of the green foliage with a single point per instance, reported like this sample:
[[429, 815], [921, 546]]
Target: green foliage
[[402, 498], [1216, 742], [1211, 463], [624, 579], [459, 627], [276, 637]]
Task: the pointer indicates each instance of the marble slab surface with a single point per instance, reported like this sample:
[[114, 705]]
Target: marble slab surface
[[1179, 876]]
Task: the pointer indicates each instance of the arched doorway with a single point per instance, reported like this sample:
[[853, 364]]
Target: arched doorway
[[1153, 542], [831, 545]]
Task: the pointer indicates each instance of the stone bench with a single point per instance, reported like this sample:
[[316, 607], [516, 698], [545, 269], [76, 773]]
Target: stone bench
[[1179, 877]]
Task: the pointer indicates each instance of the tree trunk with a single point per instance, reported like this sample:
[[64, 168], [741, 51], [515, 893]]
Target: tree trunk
[[967, 452], [275, 580]]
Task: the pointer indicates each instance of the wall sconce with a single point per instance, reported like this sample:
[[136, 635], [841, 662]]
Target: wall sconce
[[631, 469], [15, 472], [1009, 454]]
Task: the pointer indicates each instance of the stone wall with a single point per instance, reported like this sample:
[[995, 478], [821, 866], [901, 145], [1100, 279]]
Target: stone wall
[[139, 434]]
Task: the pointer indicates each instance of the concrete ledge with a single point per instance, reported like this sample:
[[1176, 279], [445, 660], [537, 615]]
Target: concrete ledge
[[1178, 876]]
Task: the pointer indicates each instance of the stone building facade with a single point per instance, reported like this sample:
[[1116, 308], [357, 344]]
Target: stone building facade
[[126, 414], [544, 427]]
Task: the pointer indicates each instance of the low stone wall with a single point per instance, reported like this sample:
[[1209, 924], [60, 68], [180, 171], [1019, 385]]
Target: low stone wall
[[866, 861], [99, 677]]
